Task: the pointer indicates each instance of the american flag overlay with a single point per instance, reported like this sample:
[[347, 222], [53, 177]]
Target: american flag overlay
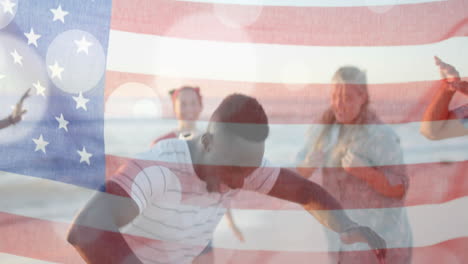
[[99, 72]]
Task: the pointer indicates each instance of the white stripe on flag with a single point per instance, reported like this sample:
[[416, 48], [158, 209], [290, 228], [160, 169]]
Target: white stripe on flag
[[315, 3], [13, 259], [300, 231], [271, 63], [296, 231]]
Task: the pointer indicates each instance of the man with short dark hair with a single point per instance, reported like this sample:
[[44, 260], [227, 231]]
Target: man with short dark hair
[[166, 205]]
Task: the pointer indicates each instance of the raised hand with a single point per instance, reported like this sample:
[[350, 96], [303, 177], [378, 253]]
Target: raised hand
[[451, 75], [18, 111], [447, 71]]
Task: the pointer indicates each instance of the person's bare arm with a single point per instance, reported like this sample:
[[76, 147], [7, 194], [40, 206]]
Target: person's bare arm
[[377, 180], [290, 186], [438, 121], [6, 122], [17, 113], [309, 165], [95, 232], [305, 171], [233, 226], [318, 202]]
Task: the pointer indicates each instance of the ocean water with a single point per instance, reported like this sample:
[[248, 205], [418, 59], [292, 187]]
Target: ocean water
[[128, 137]]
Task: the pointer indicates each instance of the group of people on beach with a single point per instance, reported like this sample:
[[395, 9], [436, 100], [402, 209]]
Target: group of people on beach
[[164, 205]]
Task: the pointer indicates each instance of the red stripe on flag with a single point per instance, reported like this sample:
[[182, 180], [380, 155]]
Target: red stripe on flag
[[292, 104], [410, 24], [45, 240], [429, 183], [36, 238], [451, 251]]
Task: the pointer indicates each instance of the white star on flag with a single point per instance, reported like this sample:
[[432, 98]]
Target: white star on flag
[[62, 122], [40, 144], [81, 101], [59, 14], [84, 156], [32, 37], [83, 45], [17, 58], [39, 88], [56, 70], [8, 6]]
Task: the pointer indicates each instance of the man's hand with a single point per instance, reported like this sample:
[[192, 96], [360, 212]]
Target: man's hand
[[18, 111], [365, 235]]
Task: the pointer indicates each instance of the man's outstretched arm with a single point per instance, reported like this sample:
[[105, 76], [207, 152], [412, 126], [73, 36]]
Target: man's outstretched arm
[[317, 201], [95, 232]]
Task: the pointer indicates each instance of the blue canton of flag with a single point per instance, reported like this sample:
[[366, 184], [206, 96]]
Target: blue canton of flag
[[58, 50]]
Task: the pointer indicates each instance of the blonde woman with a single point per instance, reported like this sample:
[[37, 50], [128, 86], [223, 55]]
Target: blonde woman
[[362, 168]]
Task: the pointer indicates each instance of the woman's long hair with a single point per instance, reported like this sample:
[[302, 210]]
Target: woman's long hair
[[345, 75]]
